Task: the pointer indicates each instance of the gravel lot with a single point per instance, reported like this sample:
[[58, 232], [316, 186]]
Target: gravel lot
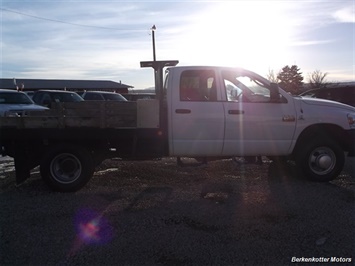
[[156, 213]]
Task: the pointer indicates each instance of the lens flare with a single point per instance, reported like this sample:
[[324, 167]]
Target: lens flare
[[92, 227]]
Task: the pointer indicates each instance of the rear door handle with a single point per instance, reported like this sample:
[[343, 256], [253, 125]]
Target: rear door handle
[[235, 112], [183, 111]]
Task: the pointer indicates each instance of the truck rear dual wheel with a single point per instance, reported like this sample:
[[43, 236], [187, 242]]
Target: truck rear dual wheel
[[320, 160], [67, 168]]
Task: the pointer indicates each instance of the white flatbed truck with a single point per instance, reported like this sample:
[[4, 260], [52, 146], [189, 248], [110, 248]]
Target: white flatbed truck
[[199, 111]]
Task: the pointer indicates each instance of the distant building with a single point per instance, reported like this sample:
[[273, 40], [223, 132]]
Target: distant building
[[61, 84]]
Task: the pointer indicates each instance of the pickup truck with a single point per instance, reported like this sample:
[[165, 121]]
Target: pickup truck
[[198, 112]]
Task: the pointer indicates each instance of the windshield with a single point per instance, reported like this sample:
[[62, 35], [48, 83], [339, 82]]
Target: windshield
[[113, 97], [66, 97], [14, 98]]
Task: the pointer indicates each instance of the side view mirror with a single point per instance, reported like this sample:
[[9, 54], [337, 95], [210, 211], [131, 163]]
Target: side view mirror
[[274, 92]]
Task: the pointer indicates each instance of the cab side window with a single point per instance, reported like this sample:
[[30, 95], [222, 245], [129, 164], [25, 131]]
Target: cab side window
[[198, 85], [243, 87]]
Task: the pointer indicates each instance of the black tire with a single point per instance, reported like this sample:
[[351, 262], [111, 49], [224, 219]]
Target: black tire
[[320, 159], [67, 168]]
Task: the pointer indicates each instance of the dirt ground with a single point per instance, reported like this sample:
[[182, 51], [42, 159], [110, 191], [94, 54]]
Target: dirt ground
[[158, 213]]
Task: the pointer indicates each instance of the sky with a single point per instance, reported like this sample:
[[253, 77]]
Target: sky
[[106, 40]]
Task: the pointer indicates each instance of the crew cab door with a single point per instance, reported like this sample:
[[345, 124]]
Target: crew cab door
[[196, 116], [257, 123]]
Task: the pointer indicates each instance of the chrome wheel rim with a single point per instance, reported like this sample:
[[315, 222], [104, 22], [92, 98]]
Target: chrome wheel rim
[[322, 160], [65, 168]]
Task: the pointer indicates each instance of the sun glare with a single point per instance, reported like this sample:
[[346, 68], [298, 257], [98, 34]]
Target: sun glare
[[251, 34]]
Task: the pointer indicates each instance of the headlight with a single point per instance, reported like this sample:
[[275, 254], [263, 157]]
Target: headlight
[[351, 120]]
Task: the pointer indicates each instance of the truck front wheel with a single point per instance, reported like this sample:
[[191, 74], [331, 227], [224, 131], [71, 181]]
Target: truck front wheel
[[320, 160], [67, 168]]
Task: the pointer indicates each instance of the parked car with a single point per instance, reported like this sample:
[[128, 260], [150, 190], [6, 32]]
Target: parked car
[[47, 97], [102, 96], [15, 103], [137, 96], [339, 94]]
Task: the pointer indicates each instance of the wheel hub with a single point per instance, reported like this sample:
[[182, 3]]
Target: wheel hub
[[324, 161], [68, 166], [65, 168]]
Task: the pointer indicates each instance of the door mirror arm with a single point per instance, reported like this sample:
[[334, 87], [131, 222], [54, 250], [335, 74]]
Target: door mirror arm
[[274, 93]]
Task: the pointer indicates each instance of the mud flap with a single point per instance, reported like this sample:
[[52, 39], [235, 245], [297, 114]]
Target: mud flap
[[25, 158], [22, 168]]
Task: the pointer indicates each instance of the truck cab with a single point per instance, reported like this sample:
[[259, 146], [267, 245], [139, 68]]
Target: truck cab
[[227, 112]]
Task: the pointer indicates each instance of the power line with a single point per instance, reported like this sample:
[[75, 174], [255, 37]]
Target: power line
[[66, 22]]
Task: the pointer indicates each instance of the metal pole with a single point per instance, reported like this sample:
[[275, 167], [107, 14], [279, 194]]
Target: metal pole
[[153, 40]]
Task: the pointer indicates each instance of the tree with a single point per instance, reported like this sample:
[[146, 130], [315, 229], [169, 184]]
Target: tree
[[316, 79], [291, 79], [272, 76]]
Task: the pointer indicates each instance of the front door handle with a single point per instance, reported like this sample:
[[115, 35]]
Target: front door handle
[[183, 111], [235, 112]]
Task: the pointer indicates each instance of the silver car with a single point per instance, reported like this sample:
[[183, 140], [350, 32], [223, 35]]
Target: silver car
[[15, 103], [47, 97]]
